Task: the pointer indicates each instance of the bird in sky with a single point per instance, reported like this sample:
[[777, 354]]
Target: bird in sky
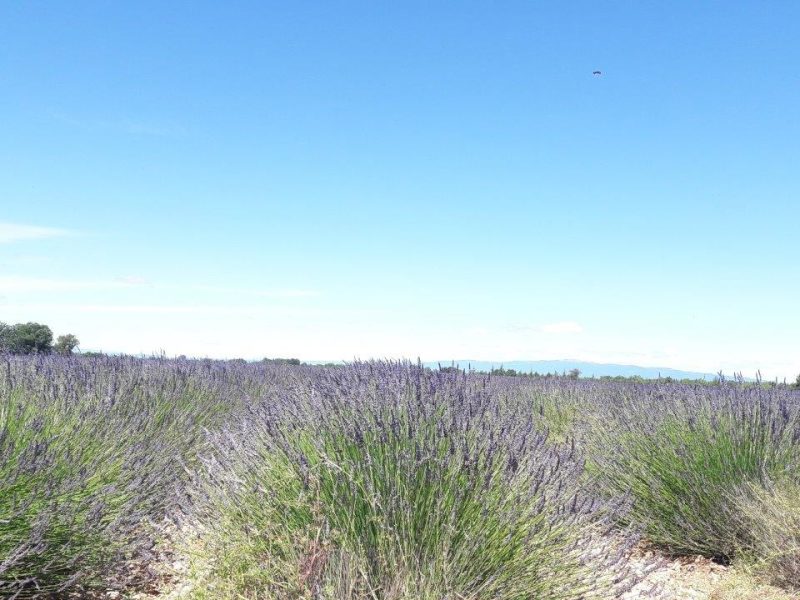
[[597, 72]]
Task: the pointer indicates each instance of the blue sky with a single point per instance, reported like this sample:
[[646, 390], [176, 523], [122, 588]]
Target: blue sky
[[443, 180]]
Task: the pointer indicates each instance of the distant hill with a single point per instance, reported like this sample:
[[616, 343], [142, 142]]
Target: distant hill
[[587, 369]]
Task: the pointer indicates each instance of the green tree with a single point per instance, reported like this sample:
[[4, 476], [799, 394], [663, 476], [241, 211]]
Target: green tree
[[5, 337], [65, 344], [28, 338], [294, 362], [504, 372]]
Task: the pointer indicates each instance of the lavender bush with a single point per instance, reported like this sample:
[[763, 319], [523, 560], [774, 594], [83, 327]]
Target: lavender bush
[[91, 452], [684, 452], [390, 481]]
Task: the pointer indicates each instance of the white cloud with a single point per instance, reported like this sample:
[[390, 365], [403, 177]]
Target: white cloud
[[132, 280], [176, 309], [39, 284], [154, 309], [278, 293], [12, 232], [562, 327], [24, 260], [263, 311]]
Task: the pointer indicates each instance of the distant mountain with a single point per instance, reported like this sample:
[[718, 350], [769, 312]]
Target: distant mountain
[[587, 369]]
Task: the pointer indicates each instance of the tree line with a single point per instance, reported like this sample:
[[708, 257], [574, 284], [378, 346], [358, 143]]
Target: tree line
[[503, 372], [34, 338]]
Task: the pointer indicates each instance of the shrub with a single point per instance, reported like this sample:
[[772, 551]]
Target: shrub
[[90, 460], [682, 453], [389, 481]]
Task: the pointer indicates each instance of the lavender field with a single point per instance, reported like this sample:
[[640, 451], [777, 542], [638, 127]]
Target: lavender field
[[381, 480]]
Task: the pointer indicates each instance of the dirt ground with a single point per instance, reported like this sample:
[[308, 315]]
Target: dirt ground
[[700, 579], [695, 578]]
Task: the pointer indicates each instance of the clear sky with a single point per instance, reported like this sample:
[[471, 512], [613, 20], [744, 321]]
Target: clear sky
[[447, 180]]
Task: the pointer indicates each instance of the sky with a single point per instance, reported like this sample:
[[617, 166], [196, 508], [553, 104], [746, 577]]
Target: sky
[[444, 180]]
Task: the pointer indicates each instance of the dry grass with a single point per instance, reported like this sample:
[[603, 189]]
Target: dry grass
[[740, 586], [772, 517]]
